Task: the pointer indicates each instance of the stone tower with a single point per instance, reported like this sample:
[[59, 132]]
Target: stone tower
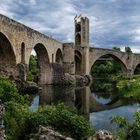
[[81, 45], [81, 31]]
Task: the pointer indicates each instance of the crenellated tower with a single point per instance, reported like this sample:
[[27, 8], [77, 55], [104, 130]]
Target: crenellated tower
[[81, 31]]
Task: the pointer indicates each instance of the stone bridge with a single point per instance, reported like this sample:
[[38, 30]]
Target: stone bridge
[[16, 44], [127, 61], [54, 58]]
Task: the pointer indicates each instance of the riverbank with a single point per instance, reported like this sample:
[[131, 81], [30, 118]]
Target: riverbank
[[20, 122], [129, 86]]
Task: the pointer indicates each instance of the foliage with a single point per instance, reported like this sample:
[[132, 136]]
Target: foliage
[[102, 86], [116, 48], [120, 120], [33, 69], [20, 122], [105, 69], [129, 87], [134, 129], [14, 120], [122, 124], [128, 50], [62, 120], [128, 131], [106, 76], [8, 92]]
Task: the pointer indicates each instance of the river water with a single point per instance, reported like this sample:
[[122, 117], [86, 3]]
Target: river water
[[97, 107]]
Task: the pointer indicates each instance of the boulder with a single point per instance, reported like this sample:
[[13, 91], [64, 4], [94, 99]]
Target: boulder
[[104, 135], [49, 134], [82, 80]]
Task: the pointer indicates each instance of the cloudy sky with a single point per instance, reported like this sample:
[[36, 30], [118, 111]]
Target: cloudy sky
[[112, 22]]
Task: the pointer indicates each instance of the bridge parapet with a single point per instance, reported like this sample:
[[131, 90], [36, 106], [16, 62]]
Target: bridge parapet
[[19, 27]]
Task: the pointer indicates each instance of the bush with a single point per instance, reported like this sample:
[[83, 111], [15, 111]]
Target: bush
[[14, 120], [129, 87], [62, 120], [127, 130], [134, 130], [9, 92], [20, 122]]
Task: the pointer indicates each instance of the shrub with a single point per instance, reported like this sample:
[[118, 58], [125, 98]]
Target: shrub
[[134, 130], [20, 122], [9, 92], [129, 87], [62, 120], [14, 120], [127, 130]]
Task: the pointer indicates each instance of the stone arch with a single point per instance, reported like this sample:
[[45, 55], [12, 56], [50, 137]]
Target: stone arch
[[23, 52], [78, 62], [78, 39], [7, 57], [44, 74], [122, 64], [59, 57], [137, 69]]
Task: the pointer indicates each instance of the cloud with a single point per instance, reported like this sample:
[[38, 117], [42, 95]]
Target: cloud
[[112, 22]]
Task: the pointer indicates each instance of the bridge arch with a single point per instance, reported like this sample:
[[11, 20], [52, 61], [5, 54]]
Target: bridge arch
[[7, 56], [137, 69], [43, 63], [78, 62], [122, 64], [59, 57]]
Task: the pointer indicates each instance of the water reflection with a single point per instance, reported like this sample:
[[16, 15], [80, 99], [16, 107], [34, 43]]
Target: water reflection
[[97, 107]]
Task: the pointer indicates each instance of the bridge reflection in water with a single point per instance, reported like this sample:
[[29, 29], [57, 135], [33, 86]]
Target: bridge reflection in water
[[88, 104]]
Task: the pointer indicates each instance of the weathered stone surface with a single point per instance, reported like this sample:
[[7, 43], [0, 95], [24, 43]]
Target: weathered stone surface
[[60, 77], [31, 87], [104, 135], [25, 86], [17, 41], [49, 134], [82, 80], [2, 131]]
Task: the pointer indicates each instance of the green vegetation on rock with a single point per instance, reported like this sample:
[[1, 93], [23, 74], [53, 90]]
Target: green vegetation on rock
[[128, 131], [9, 92], [20, 122]]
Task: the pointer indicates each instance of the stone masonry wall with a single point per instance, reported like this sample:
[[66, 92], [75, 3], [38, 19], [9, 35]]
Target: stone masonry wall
[[2, 131]]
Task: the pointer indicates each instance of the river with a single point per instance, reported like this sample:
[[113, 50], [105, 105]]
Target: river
[[95, 105]]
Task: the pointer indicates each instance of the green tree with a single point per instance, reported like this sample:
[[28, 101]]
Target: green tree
[[9, 92], [116, 48], [33, 69], [128, 50], [105, 69]]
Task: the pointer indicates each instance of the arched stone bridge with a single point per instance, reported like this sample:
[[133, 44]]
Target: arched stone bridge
[[128, 61], [55, 58]]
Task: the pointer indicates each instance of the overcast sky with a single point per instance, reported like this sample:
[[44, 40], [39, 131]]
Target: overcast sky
[[112, 22]]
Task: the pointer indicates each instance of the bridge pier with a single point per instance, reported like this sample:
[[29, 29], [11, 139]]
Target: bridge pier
[[86, 70], [68, 58]]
